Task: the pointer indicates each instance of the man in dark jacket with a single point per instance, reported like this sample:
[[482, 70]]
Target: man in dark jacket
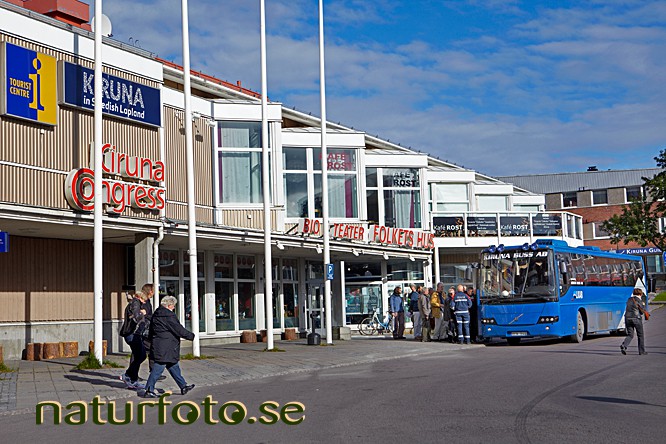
[[633, 318], [165, 334]]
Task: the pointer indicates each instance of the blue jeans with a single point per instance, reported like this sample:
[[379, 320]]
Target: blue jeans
[[174, 371], [462, 319]]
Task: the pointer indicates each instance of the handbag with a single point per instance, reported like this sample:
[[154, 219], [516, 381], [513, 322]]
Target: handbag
[[647, 315]]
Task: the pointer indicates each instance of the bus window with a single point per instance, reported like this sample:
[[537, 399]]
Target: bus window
[[566, 272]]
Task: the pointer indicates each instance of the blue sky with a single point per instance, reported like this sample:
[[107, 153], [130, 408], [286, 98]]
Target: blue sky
[[499, 86]]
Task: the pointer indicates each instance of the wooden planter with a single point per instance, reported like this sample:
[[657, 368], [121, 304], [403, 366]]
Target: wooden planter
[[91, 348], [248, 336]]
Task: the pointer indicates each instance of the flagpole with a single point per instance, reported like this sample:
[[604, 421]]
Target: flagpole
[[265, 178], [191, 211], [98, 236], [324, 175]]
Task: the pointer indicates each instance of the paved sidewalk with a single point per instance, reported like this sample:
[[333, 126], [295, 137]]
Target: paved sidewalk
[[58, 380]]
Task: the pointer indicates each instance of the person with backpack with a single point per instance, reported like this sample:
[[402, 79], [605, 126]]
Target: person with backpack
[[461, 305], [414, 310]]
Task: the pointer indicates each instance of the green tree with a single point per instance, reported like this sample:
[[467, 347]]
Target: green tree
[[639, 220]]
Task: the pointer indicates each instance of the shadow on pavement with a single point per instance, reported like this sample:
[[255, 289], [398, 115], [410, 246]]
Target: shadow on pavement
[[617, 400]]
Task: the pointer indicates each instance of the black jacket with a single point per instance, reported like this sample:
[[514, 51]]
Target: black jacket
[[165, 334]]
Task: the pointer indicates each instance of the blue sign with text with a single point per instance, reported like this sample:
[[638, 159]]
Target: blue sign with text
[[4, 242], [31, 86], [122, 98], [648, 250], [330, 272]]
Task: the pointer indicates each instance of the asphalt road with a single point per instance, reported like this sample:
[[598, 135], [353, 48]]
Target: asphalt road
[[538, 392]]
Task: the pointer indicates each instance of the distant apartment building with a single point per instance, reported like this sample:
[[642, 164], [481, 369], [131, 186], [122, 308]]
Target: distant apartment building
[[596, 196]]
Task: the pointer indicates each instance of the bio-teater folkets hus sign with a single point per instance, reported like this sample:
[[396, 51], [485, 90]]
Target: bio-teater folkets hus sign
[[121, 98]]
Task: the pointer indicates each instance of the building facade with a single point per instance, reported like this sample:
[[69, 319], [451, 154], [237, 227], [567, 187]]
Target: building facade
[[398, 216], [596, 196]]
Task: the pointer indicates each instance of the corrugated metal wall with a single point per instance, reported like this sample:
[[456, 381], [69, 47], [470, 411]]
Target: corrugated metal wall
[[176, 177], [52, 280], [250, 218]]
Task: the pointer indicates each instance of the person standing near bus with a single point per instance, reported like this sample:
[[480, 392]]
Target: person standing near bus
[[414, 309], [633, 318], [462, 304], [397, 308], [425, 308]]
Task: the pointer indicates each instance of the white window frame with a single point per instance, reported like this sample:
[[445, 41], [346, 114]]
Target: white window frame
[[599, 190], [380, 188], [595, 226], [310, 180], [433, 203], [273, 134]]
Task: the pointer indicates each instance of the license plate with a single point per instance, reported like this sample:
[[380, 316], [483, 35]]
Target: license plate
[[517, 333]]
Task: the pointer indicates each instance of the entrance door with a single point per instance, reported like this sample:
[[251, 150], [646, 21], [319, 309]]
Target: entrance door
[[314, 307]]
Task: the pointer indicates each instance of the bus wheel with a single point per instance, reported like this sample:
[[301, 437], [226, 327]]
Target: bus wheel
[[513, 341], [580, 329]]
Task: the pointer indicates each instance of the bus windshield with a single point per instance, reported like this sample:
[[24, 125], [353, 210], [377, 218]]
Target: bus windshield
[[518, 276]]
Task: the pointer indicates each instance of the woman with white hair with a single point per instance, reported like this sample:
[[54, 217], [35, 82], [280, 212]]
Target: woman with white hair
[[165, 333]]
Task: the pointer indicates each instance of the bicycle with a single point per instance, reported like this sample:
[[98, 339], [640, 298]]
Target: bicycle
[[372, 324]]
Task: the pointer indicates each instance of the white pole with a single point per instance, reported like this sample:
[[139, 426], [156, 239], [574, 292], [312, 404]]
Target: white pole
[[324, 174], [98, 236], [265, 178], [191, 213]]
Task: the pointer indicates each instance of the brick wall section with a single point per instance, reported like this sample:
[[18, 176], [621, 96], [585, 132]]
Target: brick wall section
[[600, 214]]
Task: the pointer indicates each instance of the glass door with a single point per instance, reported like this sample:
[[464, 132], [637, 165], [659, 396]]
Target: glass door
[[315, 307]]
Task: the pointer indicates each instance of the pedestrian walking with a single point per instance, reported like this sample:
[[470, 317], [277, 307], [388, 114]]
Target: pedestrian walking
[[165, 334], [462, 304], [135, 325], [633, 319], [397, 308]]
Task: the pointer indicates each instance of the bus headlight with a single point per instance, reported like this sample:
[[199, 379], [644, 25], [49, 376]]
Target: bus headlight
[[488, 321], [548, 319]]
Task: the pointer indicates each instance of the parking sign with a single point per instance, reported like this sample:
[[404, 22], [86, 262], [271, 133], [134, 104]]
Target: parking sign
[[329, 272]]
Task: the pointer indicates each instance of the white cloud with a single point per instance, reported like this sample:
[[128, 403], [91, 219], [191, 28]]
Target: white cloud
[[548, 89]]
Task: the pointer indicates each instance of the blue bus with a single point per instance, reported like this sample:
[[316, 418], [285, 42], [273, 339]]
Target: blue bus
[[551, 290]]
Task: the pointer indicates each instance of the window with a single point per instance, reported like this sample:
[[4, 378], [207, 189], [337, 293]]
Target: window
[[634, 193], [239, 162], [599, 232], [303, 182], [599, 197], [526, 208], [569, 199], [491, 203], [225, 314], [449, 197], [396, 198]]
